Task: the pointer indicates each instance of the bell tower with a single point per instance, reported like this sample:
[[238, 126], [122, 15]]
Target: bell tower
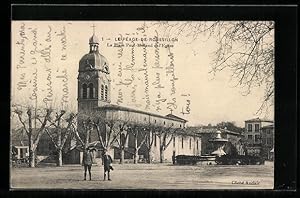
[[93, 79]]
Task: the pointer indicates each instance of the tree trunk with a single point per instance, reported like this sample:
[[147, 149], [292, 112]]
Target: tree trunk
[[135, 157], [31, 152], [149, 156], [31, 158], [87, 139], [59, 158], [59, 150], [121, 156], [162, 155]]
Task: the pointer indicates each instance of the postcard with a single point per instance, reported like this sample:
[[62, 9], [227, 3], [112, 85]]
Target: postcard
[[142, 105]]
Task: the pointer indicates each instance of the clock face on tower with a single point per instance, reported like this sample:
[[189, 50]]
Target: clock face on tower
[[87, 77]]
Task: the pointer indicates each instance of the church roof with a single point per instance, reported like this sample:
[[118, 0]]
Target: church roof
[[121, 108], [176, 117], [93, 60]]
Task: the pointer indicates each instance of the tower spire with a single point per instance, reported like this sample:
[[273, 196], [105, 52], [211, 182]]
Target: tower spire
[[94, 42], [93, 26]]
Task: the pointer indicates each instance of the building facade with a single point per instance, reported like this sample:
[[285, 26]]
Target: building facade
[[267, 142], [254, 135]]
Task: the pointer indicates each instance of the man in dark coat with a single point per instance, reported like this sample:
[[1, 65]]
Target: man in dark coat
[[107, 160], [87, 162]]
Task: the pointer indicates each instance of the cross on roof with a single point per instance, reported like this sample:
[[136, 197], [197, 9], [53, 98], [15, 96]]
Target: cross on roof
[[93, 26], [171, 110]]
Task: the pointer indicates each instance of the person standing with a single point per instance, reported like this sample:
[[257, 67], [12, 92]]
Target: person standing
[[173, 157], [107, 160], [87, 162]]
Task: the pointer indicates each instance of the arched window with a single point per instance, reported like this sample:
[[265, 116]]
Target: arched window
[[102, 92], [106, 90], [190, 143], [91, 90], [84, 91]]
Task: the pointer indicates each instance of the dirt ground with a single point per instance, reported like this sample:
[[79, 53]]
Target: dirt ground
[[146, 176]]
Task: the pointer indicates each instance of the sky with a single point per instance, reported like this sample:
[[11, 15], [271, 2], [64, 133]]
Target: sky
[[151, 77]]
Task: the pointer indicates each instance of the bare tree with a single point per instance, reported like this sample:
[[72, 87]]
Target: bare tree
[[165, 135], [33, 131], [138, 132], [122, 141], [61, 131], [246, 48], [82, 130], [150, 136], [112, 132]]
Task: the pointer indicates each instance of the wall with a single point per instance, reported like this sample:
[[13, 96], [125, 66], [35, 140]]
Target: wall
[[186, 150]]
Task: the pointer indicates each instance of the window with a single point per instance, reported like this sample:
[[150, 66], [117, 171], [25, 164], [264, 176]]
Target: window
[[155, 140], [182, 142], [249, 127], [190, 143], [269, 141], [174, 142], [180, 125], [197, 144], [164, 122], [269, 131], [256, 138], [250, 137], [102, 92], [84, 91], [256, 127], [91, 90], [106, 91]]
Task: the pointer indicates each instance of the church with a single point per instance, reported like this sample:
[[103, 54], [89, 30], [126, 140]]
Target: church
[[144, 132]]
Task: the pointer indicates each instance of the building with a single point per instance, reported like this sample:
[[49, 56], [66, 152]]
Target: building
[[253, 135], [45, 150], [94, 100], [267, 142]]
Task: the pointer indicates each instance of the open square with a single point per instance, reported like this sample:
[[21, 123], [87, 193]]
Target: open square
[[146, 176]]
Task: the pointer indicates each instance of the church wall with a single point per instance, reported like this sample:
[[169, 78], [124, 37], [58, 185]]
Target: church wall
[[186, 150], [155, 149]]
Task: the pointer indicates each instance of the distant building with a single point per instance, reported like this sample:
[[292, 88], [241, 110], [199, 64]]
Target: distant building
[[44, 150], [254, 135], [267, 142]]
